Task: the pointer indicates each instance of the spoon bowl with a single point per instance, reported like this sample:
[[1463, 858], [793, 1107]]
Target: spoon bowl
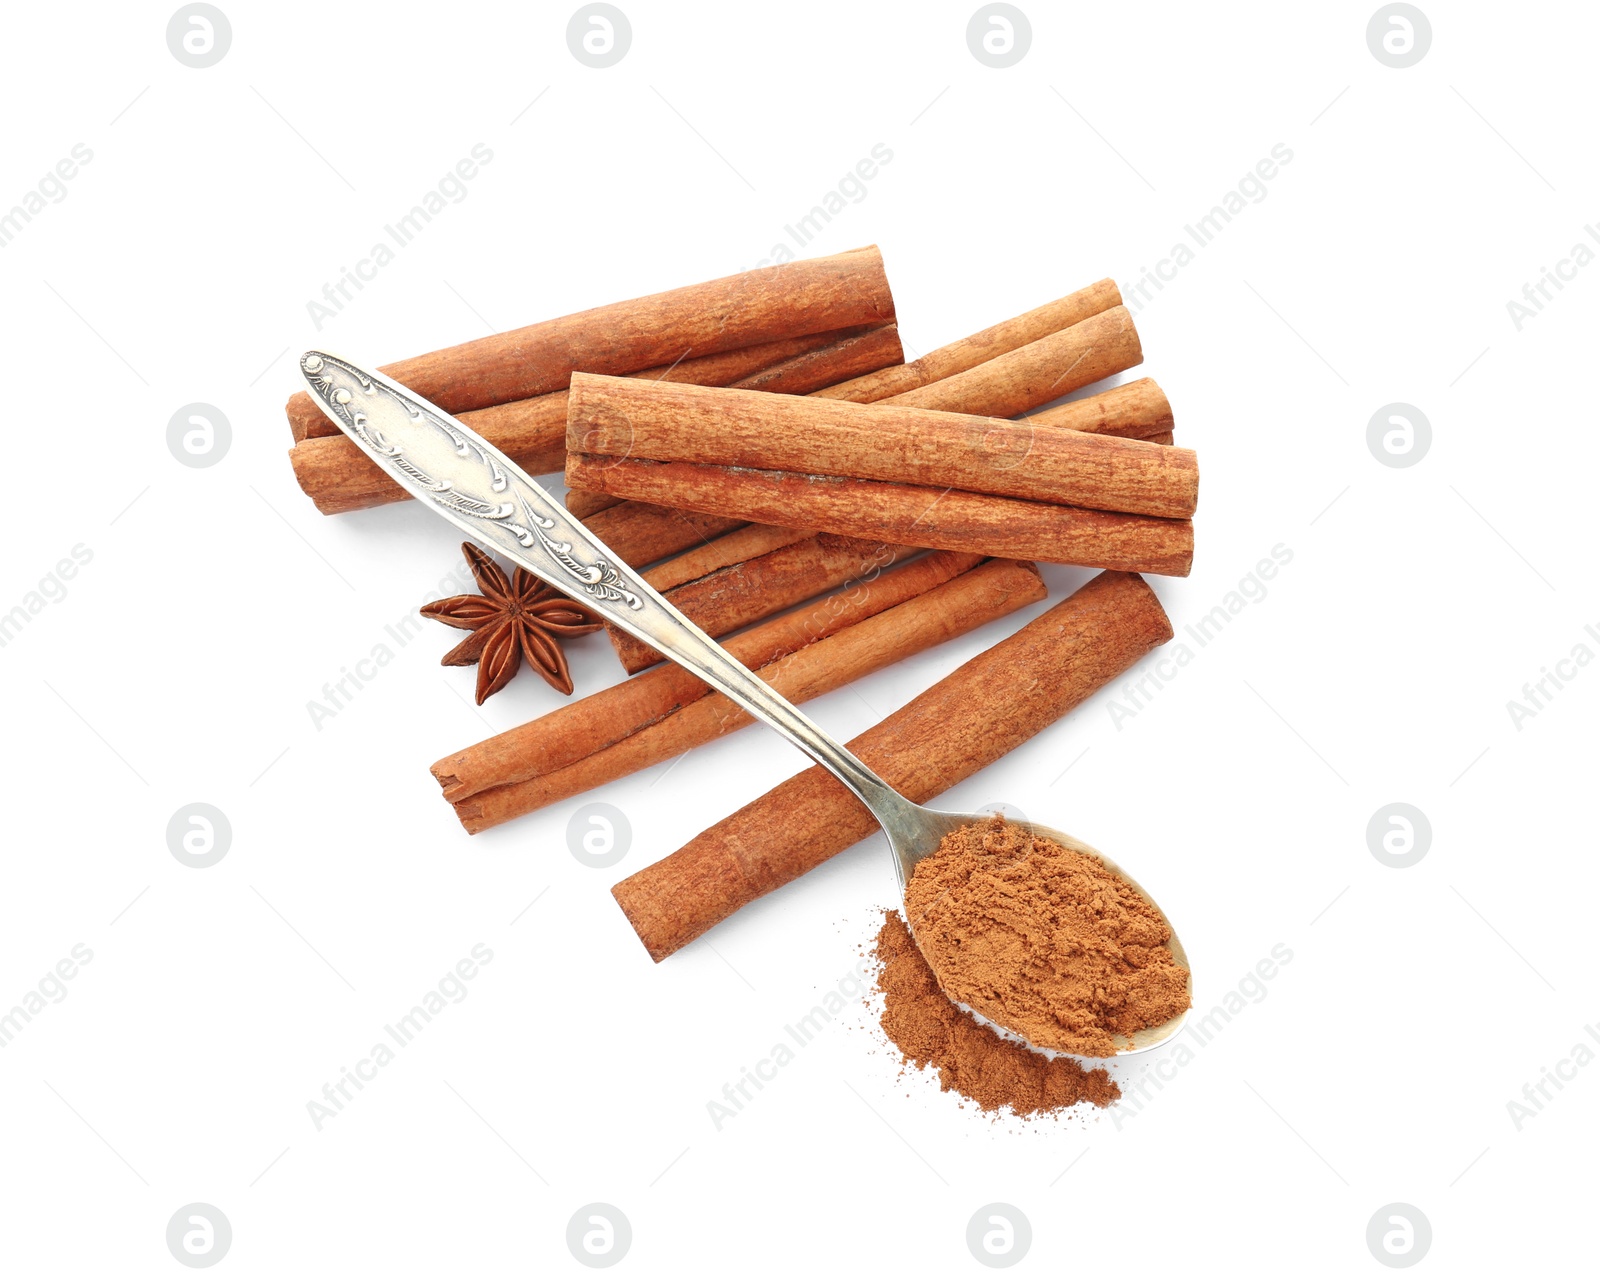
[[914, 832]]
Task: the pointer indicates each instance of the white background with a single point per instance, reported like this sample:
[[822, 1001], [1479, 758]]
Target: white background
[[178, 666]]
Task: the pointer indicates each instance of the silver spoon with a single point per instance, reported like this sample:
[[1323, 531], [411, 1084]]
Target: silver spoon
[[444, 464]]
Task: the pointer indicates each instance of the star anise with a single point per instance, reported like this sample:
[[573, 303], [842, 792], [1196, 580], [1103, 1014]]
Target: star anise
[[515, 618]]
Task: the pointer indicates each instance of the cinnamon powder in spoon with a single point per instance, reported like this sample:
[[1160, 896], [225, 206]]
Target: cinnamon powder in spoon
[[1043, 940], [971, 1059]]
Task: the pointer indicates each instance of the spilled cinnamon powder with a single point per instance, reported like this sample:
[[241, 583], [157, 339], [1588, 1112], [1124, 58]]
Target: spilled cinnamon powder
[[970, 1058], [1043, 940]]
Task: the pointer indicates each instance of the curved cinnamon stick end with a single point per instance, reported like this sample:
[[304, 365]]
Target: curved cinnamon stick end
[[472, 816], [663, 910], [1138, 409], [585, 503], [339, 478], [981, 346], [303, 413], [1128, 603], [444, 773], [1181, 559], [1101, 345]]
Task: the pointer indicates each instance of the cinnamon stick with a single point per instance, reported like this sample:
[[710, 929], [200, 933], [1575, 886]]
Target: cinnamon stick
[[739, 594], [731, 367], [1137, 409], [813, 369], [1040, 372], [339, 478], [642, 532], [755, 307], [581, 728], [729, 549], [966, 602], [972, 717], [1130, 410], [585, 503], [917, 515], [651, 420], [989, 343]]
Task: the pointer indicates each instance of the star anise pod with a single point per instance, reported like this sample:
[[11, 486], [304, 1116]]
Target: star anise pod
[[515, 618]]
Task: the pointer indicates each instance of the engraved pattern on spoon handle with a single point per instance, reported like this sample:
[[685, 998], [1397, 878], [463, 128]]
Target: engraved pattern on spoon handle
[[444, 464]]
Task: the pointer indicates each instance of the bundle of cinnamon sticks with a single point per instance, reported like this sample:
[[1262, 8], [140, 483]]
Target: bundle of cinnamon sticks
[[934, 479], [788, 329], [798, 489]]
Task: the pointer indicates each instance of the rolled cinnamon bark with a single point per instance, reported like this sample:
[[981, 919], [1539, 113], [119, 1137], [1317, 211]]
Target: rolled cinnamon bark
[[641, 532], [918, 515], [982, 710], [579, 729], [1040, 372], [989, 343], [339, 478], [740, 594], [585, 503], [1137, 409], [1019, 459], [1130, 410], [535, 415], [729, 549], [755, 307], [973, 598], [817, 368]]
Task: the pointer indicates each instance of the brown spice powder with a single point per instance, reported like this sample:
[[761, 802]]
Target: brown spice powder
[[971, 1059], [1044, 941]]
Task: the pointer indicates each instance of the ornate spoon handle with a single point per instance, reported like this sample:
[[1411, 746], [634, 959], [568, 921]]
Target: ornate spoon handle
[[444, 464]]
